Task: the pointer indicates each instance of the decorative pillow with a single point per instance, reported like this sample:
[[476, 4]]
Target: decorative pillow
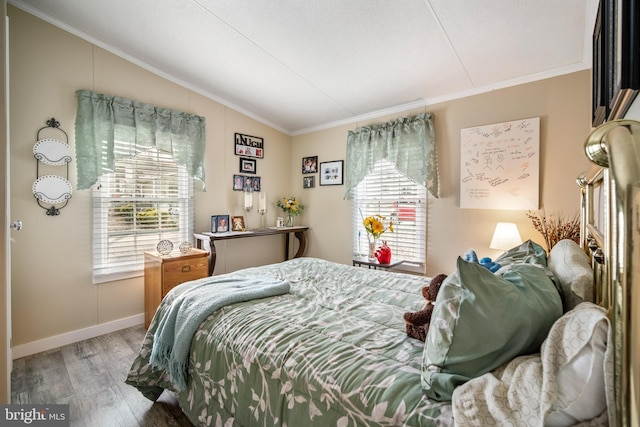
[[482, 321], [572, 267], [527, 252], [575, 367]]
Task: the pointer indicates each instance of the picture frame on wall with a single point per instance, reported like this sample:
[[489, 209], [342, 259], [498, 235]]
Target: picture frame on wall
[[238, 182], [331, 172], [624, 78], [242, 182], [308, 182], [248, 145], [247, 165], [310, 164], [255, 183], [616, 59], [601, 66]]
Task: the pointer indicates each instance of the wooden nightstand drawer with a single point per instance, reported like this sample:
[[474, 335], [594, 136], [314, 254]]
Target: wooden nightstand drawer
[[180, 271], [164, 272]]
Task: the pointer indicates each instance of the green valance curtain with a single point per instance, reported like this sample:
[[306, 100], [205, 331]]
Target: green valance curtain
[[103, 119], [408, 143]]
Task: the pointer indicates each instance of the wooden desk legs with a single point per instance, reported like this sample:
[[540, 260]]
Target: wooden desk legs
[[302, 244], [212, 253], [212, 256], [302, 240]]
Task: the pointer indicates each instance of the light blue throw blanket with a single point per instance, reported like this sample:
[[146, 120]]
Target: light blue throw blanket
[[172, 338]]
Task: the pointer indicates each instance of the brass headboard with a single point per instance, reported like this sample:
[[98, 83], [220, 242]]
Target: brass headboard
[[610, 192]]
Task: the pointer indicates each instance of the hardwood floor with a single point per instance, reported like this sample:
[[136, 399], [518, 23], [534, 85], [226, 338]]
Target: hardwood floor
[[89, 376]]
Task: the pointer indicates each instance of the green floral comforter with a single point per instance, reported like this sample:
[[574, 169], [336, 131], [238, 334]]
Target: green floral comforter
[[332, 352]]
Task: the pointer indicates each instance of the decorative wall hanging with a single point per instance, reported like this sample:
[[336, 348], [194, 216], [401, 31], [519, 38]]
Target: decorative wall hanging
[[51, 190], [499, 165], [249, 146], [331, 172], [310, 164]]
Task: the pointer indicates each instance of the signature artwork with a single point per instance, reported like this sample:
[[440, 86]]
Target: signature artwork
[[499, 165]]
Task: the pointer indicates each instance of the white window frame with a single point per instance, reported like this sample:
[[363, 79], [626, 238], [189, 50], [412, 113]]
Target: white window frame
[[387, 192], [176, 197]]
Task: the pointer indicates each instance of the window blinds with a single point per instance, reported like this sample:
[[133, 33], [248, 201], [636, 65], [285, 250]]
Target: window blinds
[[386, 192], [147, 198]]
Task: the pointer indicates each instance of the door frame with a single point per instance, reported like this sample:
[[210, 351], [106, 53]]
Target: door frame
[[5, 260]]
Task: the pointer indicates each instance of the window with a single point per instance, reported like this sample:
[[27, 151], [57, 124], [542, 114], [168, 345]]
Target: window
[[386, 192], [147, 198]]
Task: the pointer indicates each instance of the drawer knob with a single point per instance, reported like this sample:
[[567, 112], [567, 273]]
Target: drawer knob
[[186, 268]]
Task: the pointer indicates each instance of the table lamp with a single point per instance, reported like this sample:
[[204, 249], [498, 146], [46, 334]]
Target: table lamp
[[505, 236]]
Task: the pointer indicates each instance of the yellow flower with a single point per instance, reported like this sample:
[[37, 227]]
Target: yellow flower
[[290, 205], [374, 225]]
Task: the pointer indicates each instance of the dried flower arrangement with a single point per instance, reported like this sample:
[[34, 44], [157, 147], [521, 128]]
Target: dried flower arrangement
[[556, 227]]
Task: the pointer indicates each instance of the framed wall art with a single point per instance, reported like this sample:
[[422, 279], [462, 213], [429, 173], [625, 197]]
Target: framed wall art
[[247, 165], [248, 145], [331, 172], [309, 182], [625, 58], [240, 182], [616, 59], [310, 164], [500, 165]]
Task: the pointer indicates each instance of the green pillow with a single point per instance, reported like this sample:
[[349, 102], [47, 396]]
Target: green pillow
[[527, 252], [482, 320]]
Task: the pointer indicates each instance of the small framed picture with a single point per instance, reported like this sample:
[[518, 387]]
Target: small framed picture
[[247, 165], [238, 182], [222, 224], [310, 164], [308, 182], [255, 183], [331, 172], [214, 223], [237, 223], [248, 145]]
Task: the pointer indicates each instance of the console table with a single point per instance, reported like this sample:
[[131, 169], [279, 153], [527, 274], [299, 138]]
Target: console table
[[299, 232]]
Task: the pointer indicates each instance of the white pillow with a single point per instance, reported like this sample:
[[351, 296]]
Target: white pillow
[[574, 361], [571, 265]]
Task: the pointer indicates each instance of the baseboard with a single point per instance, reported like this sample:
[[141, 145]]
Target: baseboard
[[56, 341]]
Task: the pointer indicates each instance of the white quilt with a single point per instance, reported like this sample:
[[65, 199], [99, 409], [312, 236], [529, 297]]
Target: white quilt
[[569, 383]]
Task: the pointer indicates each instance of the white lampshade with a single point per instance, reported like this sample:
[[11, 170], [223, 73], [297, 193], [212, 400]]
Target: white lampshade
[[505, 237]]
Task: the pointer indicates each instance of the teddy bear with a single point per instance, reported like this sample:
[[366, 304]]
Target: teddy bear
[[417, 323]]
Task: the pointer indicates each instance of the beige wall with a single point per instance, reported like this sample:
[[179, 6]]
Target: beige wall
[[51, 265], [563, 105], [52, 290]]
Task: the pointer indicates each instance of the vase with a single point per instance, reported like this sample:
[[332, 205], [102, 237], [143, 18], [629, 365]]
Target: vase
[[289, 220], [373, 242]]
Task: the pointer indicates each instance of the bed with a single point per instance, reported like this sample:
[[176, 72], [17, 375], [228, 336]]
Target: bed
[[311, 342]]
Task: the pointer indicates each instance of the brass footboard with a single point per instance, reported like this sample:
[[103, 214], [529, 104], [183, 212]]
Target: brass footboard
[[610, 203]]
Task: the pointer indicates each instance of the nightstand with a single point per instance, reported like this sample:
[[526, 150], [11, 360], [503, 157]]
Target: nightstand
[[375, 264], [164, 272]]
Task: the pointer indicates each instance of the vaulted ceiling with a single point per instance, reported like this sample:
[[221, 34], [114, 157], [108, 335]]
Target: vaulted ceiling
[[301, 65]]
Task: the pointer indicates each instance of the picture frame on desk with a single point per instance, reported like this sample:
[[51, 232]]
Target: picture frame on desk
[[237, 223], [221, 223]]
